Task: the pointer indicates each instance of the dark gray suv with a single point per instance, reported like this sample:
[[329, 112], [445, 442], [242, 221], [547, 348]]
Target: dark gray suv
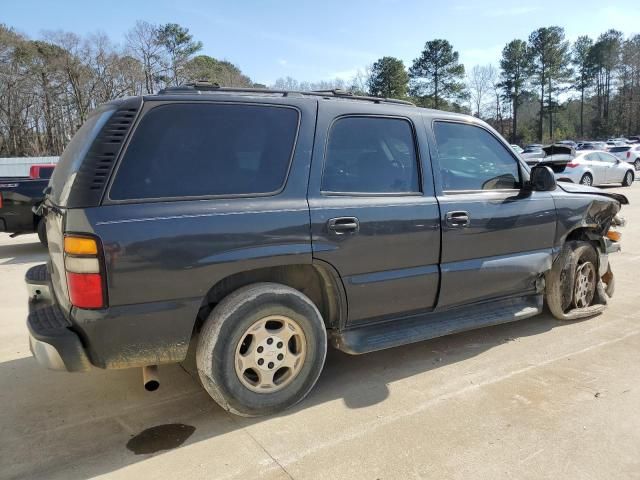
[[257, 226]]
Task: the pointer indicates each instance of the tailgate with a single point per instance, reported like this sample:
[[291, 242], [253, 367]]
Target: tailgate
[[55, 236]]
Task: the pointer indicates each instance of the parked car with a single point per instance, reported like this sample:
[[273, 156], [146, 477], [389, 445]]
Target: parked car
[[628, 153], [19, 196], [258, 226], [532, 154], [570, 143], [517, 149], [592, 168]]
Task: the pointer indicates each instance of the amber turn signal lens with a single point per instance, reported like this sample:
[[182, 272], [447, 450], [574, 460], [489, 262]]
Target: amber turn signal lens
[[80, 246], [614, 235]]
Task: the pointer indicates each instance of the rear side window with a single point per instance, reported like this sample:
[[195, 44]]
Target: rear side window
[[473, 159], [371, 155], [193, 150], [618, 149]]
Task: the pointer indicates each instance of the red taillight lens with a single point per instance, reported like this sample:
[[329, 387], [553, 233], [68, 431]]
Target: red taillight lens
[[85, 290], [572, 165], [628, 154]]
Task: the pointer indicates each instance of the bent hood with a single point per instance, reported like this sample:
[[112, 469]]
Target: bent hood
[[576, 188]]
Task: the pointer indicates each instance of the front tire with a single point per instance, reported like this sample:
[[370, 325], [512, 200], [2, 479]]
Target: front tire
[[261, 349], [636, 164], [573, 288], [587, 180], [628, 179]]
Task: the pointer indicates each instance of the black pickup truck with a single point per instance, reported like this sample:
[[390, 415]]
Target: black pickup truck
[[20, 197], [259, 226]]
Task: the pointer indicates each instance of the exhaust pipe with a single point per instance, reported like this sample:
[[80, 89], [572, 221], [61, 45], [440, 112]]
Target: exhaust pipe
[[150, 378]]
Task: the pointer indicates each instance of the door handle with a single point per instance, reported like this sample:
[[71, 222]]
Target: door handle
[[342, 225], [457, 219]]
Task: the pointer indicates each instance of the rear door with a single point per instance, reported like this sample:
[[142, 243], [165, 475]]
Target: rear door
[[374, 216], [497, 239]]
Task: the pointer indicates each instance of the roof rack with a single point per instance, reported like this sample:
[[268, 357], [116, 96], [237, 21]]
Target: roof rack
[[338, 93]]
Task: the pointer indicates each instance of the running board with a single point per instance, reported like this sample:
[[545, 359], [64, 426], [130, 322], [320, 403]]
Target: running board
[[394, 333]]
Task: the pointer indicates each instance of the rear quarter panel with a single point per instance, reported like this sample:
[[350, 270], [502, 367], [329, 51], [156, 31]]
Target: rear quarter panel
[[161, 259]]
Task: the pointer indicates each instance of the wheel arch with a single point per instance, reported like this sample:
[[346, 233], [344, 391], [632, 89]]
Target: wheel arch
[[318, 281]]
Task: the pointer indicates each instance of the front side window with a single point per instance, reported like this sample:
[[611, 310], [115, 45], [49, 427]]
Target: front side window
[[206, 149], [473, 159], [371, 155]]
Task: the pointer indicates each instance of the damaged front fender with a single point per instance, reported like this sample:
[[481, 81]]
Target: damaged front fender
[[585, 210]]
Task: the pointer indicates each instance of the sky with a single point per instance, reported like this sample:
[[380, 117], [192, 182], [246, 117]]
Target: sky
[[323, 40]]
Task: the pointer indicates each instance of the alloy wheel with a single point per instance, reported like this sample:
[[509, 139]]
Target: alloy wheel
[[270, 354]]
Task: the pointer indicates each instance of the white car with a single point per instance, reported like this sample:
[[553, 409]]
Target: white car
[[628, 153], [590, 167]]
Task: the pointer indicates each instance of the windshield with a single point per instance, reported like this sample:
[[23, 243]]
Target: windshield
[[65, 172]]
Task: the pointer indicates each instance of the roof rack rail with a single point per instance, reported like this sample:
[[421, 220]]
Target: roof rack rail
[[338, 93]]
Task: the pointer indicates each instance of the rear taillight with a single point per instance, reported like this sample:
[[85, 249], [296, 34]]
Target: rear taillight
[[572, 164], [84, 274], [628, 154]]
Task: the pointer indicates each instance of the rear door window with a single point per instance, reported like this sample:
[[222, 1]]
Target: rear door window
[[472, 159], [371, 155], [207, 149]]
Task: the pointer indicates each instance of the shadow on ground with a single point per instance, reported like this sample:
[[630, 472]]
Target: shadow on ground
[[53, 421], [21, 253]]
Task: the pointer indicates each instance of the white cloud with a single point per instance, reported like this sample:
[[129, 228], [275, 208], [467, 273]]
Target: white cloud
[[282, 62]]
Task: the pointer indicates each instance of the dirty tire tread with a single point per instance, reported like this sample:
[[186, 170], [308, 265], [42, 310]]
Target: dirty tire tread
[[41, 229], [227, 323]]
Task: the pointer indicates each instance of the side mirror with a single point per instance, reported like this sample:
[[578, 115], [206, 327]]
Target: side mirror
[[542, 179]]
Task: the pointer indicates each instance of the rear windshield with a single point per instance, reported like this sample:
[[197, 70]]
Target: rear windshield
[[207, 149], [71, 159], [619, 149]]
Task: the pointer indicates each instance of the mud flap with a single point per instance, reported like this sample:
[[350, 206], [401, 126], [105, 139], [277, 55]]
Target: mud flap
[[559, 287]]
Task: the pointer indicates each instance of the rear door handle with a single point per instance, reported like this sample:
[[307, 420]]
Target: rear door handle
[[342, 225], [457, 219]]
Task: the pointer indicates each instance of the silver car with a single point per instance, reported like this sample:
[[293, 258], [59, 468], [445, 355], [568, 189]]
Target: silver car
[[590, 167], [628, 153]]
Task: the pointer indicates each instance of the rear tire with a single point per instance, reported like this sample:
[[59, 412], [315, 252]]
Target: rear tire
[[628, 179], [261, 349], [41, 229], [587, 180]]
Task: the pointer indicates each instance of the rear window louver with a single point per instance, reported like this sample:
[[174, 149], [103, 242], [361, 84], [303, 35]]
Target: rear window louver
[[93, 175]]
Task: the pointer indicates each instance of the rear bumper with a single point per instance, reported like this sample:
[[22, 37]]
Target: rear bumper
[[51, 339]]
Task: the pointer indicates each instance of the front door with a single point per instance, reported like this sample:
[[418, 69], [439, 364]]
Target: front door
[[497, 238], [374, 216]]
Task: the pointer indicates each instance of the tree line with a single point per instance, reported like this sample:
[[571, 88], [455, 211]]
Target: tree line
[[49, 86], [544, 87]]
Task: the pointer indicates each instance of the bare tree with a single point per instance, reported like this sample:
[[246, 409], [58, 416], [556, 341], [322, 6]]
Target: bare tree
[[480, 87], [143, 45]]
